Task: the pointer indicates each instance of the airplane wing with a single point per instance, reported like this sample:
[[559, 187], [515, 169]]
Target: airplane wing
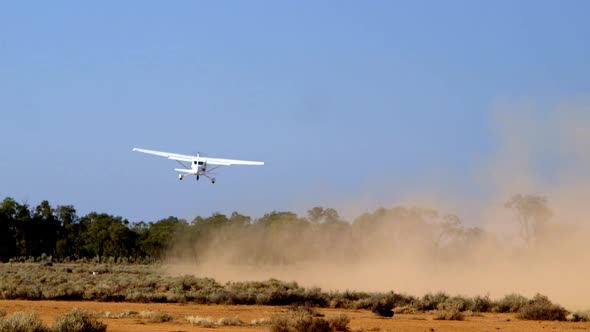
[[227, 162], [173, 156], [210, 161]]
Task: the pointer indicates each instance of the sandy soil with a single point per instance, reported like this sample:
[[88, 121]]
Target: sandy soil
[[360, 319]]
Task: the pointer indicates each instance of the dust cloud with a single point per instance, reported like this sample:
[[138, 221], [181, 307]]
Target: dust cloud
[[414, 249]]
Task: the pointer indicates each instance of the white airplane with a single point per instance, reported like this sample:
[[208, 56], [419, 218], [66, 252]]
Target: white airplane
[[199, 163]]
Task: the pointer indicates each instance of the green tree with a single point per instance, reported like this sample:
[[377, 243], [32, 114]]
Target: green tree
[[7, 229], [46, 228], [109, 236], [156, 237], [70, 242]]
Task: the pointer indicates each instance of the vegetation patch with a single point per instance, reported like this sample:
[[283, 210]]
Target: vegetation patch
[[579, 316], [156, 316], [306, 319], [339, 322], [224, 321], [510, 303], [541, 308], [78, 321], [123, 314], [449, 314], [22, 322]]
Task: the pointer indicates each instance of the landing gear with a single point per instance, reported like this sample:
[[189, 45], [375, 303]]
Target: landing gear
[[213, 180], [180, 177], [197, 177]]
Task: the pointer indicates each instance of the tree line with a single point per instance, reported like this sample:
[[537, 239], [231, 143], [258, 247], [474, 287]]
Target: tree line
[[27, 231]]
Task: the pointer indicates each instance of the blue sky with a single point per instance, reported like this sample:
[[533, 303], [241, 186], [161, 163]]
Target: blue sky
[[348, 103]]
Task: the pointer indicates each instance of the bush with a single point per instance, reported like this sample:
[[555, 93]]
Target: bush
[[540, 308], [299, 319], [22, 322], [339, 322], [161, 317], [155, 316], [201, 321], [580, 316], [510, 303], [456, 303], [230, 321], [450, 314], [481, 304], [78, 321], [430, 301]]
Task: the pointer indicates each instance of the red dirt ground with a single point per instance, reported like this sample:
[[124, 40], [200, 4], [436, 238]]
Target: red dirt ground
[[361, 320]]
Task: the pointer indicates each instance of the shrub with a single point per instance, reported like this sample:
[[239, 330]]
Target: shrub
[[210, 322], [456, 303], [430, 301], [161, 317], [481, 304], [22, 322], [339, 322], [78, 321], [540, 308], [580, 316], [450, 314], [156, 316], [201, 321], [227, 321], [299, 320], [510, 303], [123, 314]]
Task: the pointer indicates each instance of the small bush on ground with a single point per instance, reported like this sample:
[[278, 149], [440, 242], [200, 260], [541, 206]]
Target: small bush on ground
[[510, 303], [299, 319], [541, 308], [449, 314], [339, 322], [78, 321], [123, 314], [210, 322], [259, 322], [481, 304], [230, 321], [430, 301], [201, 321], [156, 316], [580, 316], [22, 322], [452, 308]]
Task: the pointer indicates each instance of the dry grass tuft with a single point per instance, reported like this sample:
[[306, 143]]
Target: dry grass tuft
[[210, 322], [339, 322], [22, 322], [78, 321], [449, 314], [155, 316], [301, 319], [201, 321]]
